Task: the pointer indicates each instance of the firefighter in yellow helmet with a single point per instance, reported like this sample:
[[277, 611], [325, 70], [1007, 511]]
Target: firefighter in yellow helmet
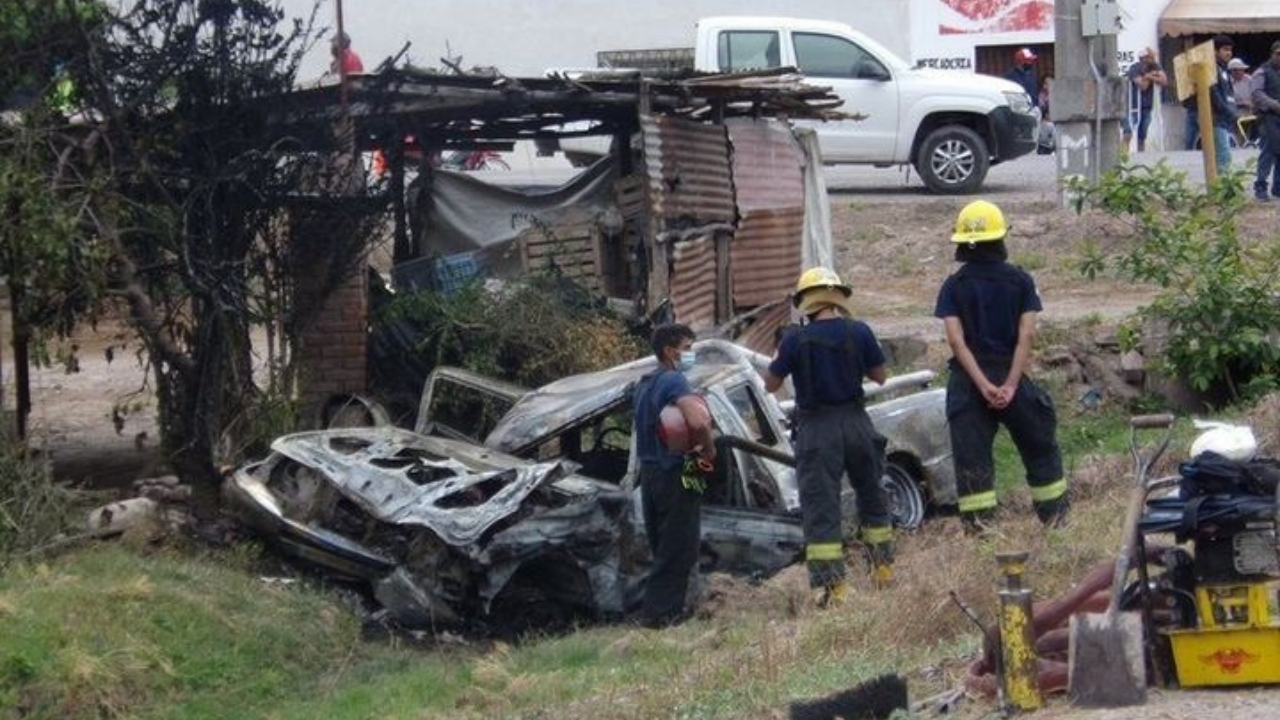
[[989, 309], [827, 359]]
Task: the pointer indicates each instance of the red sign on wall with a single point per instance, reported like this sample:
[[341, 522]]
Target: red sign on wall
[[997, 16]]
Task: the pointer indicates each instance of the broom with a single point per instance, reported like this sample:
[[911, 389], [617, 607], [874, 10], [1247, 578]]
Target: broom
[[872, 700]]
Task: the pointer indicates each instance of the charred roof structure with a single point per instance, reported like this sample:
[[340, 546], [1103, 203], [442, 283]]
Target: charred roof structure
[[705, 211]]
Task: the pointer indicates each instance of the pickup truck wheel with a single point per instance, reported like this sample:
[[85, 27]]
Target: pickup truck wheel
[[953, 160]]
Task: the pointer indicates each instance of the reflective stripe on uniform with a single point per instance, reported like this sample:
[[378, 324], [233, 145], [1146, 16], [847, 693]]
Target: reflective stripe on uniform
[[877, 535], [1046, 493], [981, 501], [824, 551]]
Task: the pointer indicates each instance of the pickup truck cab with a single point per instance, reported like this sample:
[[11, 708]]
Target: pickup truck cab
[[950, 126]]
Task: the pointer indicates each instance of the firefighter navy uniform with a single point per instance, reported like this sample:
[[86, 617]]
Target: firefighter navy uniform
[[827, 360], [989, 297]]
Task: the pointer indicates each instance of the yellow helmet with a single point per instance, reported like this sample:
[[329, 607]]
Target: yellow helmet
[[821, 277], [819, 287], [980, 221]]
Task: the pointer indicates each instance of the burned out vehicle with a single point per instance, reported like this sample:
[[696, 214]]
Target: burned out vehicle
[[507, 504], [442, 532], [751, 512]]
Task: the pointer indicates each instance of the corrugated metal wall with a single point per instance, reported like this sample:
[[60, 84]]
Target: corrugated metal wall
[[767, 176], [727, 209], [687, 164], [693, 282]]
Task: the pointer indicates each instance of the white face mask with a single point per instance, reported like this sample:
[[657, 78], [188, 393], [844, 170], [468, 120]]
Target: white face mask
[[687, 359]]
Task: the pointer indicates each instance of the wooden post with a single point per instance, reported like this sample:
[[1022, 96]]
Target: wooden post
[[1195, 72], [1206, 74]]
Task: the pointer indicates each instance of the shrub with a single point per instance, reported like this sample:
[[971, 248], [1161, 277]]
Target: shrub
[[1218, 294], [529, 333], [34, 510]]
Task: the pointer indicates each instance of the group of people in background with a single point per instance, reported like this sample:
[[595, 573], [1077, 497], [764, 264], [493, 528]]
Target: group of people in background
[[1244, 107], [988, 308]]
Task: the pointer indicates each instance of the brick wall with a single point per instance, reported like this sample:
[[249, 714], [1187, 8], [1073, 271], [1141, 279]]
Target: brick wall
[[333, 357]]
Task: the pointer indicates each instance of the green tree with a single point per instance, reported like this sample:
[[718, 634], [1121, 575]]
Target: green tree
[[1219, 293], [191, 189]]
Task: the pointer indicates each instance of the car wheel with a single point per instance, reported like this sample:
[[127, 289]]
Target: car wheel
[[906, 501], [953, 160]]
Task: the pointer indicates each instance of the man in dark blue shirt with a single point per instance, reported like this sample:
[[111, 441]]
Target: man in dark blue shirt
[[989, 310], [672, 513], [1023, 72], [827, 359]]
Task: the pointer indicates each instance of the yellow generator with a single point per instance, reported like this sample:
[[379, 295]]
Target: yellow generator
[[1232, 634]]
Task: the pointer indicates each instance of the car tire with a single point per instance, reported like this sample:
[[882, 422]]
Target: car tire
[[907, 503], [953, 160], [906, 500]]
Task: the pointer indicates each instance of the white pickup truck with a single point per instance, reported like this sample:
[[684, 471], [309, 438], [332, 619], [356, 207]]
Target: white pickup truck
[[951, 126]]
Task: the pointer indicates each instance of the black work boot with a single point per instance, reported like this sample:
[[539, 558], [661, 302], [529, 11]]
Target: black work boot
[[978, 523], [1054, 512]]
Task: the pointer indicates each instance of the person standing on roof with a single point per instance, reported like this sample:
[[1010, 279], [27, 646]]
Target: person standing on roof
[[345, 60], [672, 511], [827, 359], [988, 308], [1024, 73]]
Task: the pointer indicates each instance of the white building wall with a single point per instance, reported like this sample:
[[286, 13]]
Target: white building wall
[[944, 33], [525, 37]]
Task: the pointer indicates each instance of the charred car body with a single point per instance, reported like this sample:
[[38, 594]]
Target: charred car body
[[503, 500]]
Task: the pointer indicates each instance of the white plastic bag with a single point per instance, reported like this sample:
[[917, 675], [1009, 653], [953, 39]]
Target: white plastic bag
[[1234, 442]]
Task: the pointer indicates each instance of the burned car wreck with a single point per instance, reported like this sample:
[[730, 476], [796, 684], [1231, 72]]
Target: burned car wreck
[[442, 532], [537, 513], [510, 505]]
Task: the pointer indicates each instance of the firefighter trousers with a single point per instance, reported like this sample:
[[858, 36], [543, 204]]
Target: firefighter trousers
[[673, 525], [830, 443], [1032, 424]]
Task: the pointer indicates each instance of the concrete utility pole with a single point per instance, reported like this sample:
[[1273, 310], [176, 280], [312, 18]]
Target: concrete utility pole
[[1088, 92]]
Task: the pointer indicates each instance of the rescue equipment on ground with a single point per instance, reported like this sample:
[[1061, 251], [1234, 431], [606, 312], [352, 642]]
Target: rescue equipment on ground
[[1226, 628]]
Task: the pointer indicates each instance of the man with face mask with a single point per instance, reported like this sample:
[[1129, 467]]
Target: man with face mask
[[827, 359], [672, 511]]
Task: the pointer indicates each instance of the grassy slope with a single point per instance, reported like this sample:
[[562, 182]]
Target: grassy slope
[[111, 632]]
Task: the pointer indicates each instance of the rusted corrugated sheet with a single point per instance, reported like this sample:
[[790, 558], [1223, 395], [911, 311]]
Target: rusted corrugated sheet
[[687, 164], [767, 176], [693, 282], [760, 335]]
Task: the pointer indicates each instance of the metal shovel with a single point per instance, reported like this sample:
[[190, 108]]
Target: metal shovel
[[1107, 667]]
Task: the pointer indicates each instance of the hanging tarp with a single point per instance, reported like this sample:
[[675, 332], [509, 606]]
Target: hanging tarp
[[1207, 17], [460, 214]]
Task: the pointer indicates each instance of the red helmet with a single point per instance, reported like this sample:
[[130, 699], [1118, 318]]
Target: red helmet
[[673, 431], [1024, 55]]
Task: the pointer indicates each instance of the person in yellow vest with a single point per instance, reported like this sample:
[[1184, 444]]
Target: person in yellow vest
[[988, 308], [827, 359]]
